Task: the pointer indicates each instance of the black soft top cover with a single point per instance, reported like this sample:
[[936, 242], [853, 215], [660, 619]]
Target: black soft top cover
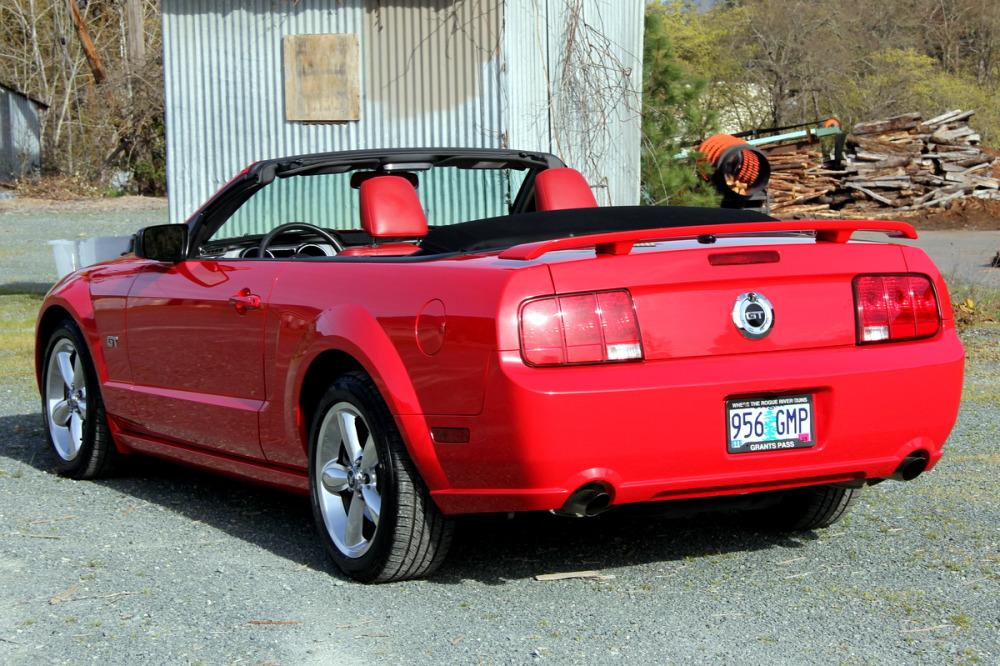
[[503, 232]]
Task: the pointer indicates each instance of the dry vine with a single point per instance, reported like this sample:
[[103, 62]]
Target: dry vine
[[594, 93]]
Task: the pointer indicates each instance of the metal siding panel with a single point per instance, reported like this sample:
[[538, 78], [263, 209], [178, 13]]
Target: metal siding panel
[[6, 137], [429, 77], [526, 79], [437, 73], [20, 145], [595, 114]]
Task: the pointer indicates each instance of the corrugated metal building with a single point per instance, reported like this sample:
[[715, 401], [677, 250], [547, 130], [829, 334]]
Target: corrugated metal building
[[560, 76], [20, 133]]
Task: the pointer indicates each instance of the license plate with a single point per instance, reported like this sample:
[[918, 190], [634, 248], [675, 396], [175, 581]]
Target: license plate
[[770, 424]]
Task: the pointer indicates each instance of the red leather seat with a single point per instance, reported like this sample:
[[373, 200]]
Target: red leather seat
[[390, 209], [557, 189]]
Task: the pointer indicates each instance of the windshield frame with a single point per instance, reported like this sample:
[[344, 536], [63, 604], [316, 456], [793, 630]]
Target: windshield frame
[[220, 207]]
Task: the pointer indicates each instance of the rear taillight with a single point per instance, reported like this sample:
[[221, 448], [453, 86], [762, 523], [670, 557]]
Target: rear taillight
[[595, 327], [895, 307]]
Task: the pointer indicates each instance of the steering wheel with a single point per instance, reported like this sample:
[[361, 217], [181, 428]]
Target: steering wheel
[[266, 241]]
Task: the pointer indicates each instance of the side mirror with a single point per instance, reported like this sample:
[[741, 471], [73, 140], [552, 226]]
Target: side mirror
[[164, 242]]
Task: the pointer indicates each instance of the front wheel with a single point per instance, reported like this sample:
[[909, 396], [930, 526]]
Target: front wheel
[[72, 409], [374, 513]]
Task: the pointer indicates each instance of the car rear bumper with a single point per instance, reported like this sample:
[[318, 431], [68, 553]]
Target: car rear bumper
[[657, 430]]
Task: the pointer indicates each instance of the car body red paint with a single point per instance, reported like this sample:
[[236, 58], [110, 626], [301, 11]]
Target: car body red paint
[[193, 378]]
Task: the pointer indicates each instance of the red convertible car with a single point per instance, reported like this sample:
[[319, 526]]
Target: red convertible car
[[410, 335]]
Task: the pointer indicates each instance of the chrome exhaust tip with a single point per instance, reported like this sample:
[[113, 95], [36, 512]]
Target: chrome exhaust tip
[[586, 502]]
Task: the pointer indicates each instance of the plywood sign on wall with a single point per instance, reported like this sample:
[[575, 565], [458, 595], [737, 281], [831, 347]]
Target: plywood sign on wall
[[321, 78]]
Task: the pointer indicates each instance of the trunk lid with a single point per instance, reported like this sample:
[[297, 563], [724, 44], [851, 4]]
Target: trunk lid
[[684, 303]]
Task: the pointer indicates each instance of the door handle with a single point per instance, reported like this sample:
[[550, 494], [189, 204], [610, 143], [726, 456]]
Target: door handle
[[245, 301]]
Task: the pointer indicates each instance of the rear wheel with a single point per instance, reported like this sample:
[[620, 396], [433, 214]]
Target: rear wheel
[[72, 409], [374, 513], [809, 508]]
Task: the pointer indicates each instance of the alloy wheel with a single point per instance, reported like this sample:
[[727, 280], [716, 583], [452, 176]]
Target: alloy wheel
[[347, 478], [66, 399]]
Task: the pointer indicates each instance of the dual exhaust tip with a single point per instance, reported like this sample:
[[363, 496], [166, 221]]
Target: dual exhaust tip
[[594, 498]]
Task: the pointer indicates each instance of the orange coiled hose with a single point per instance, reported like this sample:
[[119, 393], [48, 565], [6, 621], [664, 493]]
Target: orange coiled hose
[[735, 165], [713, 147]]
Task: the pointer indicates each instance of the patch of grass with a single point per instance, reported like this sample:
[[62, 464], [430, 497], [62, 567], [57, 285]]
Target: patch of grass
[[974, 305], [17, 339], [960, 620], [977, 315], [982, 363]]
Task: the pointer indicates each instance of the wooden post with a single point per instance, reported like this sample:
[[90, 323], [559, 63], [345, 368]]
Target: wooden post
[[93, 59], [135, 34]]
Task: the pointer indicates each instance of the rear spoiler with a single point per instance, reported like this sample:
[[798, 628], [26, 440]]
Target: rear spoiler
[[621, 242]]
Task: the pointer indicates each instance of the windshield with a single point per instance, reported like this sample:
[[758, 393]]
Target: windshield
[[448, 194]]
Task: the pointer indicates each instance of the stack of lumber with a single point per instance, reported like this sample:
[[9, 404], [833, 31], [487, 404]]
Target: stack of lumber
[[903, 163], [800, 182]]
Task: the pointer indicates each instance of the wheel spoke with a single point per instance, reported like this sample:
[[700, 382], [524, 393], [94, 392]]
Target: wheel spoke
[[335, 477], [81, 406], [75, 432], [349, 434], [65, 363], [78, 372], [369, 458], [355, 521], [373, 503], [61, 413]]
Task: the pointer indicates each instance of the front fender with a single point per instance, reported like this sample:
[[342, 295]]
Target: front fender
[[71, 296]]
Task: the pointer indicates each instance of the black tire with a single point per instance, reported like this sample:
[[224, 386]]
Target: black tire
[[412, 536], [809, 508], [96, 456]]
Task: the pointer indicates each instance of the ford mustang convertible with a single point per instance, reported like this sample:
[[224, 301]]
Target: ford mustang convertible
[[410, 335]]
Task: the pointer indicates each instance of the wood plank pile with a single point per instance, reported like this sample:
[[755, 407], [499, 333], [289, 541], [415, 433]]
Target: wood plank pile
[[801, 183], [903, 164]]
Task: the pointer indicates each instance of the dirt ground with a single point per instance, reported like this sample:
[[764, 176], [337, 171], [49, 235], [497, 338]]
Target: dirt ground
[[978, 214], [89, 204], [966, 214]]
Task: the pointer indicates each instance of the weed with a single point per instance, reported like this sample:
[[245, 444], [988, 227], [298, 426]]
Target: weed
[[17, 339], [974, 305], [960, 620]]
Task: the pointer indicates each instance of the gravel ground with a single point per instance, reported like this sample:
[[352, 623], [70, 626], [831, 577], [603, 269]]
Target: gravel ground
[[164, 564]]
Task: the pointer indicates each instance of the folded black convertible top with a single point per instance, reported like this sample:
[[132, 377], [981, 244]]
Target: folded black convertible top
[[507, 231]]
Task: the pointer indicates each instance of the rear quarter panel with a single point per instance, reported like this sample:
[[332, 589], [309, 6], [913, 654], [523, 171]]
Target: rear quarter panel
[[372, 311]]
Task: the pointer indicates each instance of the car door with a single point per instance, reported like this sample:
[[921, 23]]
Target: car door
[[196, 351]]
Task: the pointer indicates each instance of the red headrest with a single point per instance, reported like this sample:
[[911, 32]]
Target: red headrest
[[390, 208], [556, 189]]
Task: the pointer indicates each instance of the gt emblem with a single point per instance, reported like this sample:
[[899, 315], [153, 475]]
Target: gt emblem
[[753, 315], [112, 341]]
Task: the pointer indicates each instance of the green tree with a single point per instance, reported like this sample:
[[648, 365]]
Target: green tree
[[672, 120]]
